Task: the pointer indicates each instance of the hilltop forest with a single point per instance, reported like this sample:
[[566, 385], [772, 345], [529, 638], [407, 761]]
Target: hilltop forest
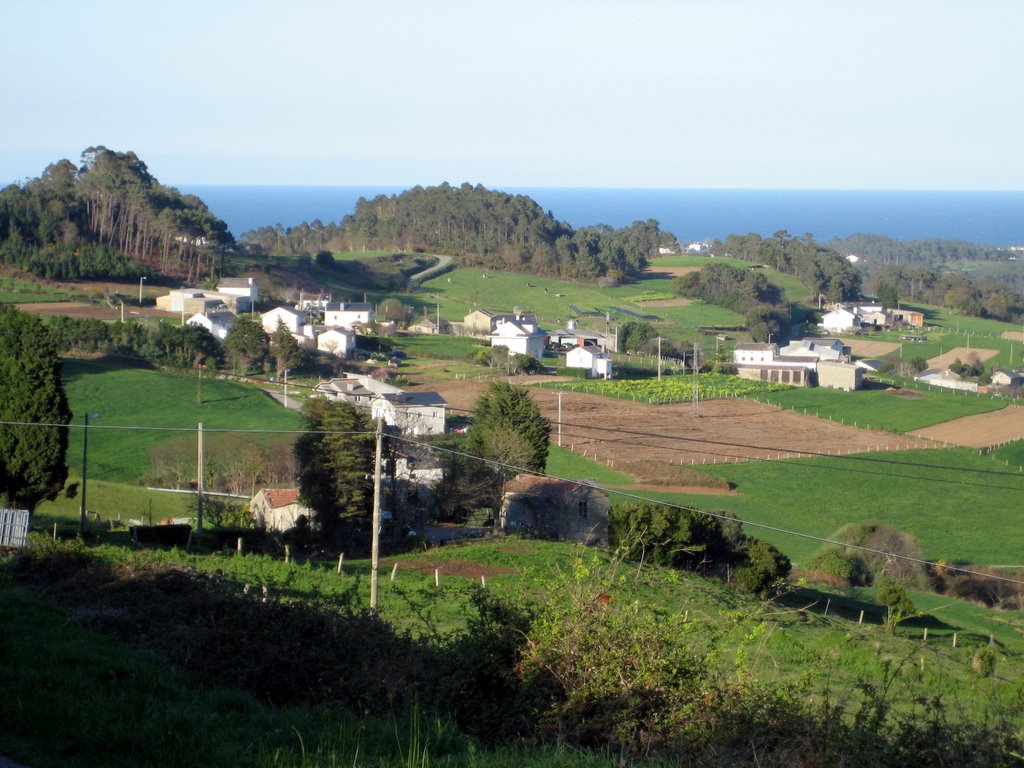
[[107, 218], [481, 228]]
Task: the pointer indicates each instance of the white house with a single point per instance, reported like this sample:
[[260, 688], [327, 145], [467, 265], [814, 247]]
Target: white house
[[945, 379], [519, 337], [745, 352], [417, 413], [347, 314], [340, 342], [594, 360], [217, 323], [293, 319], [840, 320], [244, 288], [278, 509]]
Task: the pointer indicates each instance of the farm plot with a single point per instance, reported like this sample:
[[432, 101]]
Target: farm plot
[[964, 355], [870, 348], [650, 442], [980, 431]]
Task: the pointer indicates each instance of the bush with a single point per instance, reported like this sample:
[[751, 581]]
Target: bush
[[764, 569], [836, 563]]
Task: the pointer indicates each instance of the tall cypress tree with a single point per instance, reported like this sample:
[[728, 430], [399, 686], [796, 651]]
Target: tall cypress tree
[[34, 413]]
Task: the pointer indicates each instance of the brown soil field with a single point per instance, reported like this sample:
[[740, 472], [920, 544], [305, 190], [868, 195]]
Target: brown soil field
[[963, 354], [467, 569], [655, 271], [980, 431], [868, 348], [666, 303], [1012, 335], [81, 309], [653, 442]]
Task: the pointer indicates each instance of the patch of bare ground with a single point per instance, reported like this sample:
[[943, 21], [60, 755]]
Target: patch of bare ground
[[964, 355], [907, 393], [686, 489], [1012, 335], [666, 303], [465, 568], [655, 271], [980, 431], [665, 438], [870, 348]]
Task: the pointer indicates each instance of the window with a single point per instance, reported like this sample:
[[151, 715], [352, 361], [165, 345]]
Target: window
[[582, 509]]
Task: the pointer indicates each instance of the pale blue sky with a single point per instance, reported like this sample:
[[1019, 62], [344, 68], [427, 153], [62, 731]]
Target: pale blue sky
[[886, 94]]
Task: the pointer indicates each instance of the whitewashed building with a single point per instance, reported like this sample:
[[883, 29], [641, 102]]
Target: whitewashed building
[[340, 342], [348, 314], [594, 360], [519, 337], [293, 320], [217, 323]]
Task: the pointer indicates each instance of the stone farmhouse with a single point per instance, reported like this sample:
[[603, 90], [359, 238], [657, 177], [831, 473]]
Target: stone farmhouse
[[278, 509], [549, 508]]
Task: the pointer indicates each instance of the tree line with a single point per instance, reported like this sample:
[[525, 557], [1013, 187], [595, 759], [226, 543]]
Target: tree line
[[107, 218], [481, 228], [957, 291], [934, 252], [745, 291], [821, 269]]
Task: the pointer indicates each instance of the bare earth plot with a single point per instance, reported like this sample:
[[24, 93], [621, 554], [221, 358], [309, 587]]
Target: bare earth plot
[[666, 303], [651, 441], [964, 355], [654, 271], [1012, 335], [980, 431], [869, 348], [85, 310]]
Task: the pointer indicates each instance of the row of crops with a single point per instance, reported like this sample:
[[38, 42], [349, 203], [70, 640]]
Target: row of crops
[[672, 389]]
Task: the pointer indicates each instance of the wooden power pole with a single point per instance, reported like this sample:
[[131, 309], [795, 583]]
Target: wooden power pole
[[375, 541]]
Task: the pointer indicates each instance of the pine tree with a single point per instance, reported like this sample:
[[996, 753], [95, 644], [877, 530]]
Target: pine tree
[[34, 413], [336, 460]]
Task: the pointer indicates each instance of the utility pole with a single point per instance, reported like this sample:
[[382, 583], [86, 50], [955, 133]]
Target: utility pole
[[199, 481], [659, 358], [375, 541], [696, 375], [560, 393], [85, 465]]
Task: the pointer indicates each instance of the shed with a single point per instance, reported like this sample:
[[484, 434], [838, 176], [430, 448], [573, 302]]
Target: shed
[[550, 508]]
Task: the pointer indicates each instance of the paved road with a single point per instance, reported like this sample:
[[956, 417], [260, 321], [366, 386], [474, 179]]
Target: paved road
[[442, 263]]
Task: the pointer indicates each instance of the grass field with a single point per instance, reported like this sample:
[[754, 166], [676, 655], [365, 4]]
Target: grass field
[[552, 300], [954, 501], [133, 411], [875, 407]]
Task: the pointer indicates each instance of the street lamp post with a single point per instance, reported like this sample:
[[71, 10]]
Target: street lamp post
[[141, 279], [285, 387]]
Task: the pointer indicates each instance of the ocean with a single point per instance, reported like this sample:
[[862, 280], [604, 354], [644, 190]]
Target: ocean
[[990, 218]]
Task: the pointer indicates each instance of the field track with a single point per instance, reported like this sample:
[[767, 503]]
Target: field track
[[980, 431]]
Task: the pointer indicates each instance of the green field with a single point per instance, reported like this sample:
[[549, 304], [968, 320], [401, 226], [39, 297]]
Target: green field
[[138, 416], [877, 408], [958, 505]]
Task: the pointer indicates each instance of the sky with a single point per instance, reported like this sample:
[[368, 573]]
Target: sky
[[780, 94]]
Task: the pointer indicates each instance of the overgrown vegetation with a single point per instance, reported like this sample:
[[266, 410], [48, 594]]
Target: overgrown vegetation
[[593, 661]]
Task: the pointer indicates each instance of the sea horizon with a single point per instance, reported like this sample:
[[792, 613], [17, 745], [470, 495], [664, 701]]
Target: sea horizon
[[988, 217]]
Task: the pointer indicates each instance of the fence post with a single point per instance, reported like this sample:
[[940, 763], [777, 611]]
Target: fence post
[[341, 561]]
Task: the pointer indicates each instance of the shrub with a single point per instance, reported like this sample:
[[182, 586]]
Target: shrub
[[765, 567], [836, 563]]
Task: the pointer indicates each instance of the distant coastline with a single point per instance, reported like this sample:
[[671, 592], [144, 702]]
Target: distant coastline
[[991, 218]]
